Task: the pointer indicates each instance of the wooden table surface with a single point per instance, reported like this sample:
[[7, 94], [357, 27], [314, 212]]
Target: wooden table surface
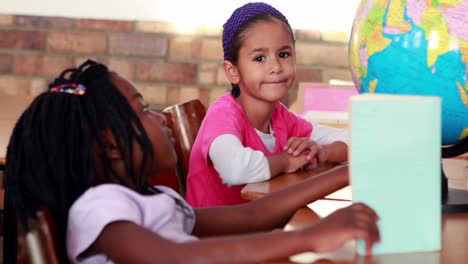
[[256, 190], [454, 245], [454, 229]]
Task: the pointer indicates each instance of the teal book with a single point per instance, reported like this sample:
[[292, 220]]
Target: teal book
[[395, 168]]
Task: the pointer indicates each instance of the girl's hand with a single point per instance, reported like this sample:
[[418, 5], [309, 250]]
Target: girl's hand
[[294, 163], [315, 152], [357, 221]]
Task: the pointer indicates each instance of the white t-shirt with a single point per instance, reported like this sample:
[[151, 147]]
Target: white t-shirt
[[107, 203]]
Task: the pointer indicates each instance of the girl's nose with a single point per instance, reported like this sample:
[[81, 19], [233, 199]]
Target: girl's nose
[[275, 65]]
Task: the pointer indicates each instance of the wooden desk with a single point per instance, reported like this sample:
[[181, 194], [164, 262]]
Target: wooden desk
[[454, 244], [256, 190], [454, 229]]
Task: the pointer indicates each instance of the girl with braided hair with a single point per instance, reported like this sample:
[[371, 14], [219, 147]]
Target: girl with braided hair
[[248, 135], [84, 150]]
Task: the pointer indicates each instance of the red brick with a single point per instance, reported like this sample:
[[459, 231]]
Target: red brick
[[18, 39], [166, 72], [78, 60], [37, 86], [19, 86], [156, 27], [90, 43], [42, 65], [204, 96], [221, 77], [216, 93], [188, 93], [6, 20], [322, 53], [191, 48], [173, 94], [124, 67], [207, 73], [44, 22], [100, 24], [308, 75], [153, 94], [6, 63], [138, 45]]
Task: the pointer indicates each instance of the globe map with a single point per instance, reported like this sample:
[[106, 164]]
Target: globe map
[[415, 47]]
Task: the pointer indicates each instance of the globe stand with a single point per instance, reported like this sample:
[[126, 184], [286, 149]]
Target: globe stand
[[454, 200]]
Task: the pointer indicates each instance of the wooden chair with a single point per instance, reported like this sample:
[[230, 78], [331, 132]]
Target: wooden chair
[[39, 244], [184, 120]]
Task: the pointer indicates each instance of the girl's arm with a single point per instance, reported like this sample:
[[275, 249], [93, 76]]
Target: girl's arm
[[126, 242], [271, 211], [334, 141], [237, 164], [336, 152], [325, 135]]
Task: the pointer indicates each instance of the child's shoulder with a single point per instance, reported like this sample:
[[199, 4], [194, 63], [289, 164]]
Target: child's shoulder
[[225, 99], [108, 189], [117, 197], [103, 194], [224, 104], [112, 190]]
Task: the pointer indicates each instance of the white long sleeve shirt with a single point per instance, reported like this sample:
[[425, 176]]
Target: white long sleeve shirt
[[246, 165]]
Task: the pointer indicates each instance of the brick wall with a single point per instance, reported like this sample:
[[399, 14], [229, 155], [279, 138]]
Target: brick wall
[[168, 67]]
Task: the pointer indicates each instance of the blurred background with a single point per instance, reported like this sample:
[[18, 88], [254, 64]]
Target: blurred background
[[171, 50]]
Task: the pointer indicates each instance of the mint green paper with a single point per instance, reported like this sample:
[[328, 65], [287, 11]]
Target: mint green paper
[[395, 146]]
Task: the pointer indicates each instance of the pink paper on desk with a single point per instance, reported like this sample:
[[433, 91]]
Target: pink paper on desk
[[327, 99]]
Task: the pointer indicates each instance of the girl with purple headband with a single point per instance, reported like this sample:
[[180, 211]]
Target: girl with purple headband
[[248, 135], [85, 149]]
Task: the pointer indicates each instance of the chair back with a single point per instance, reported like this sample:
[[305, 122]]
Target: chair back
[[184, 120], [38, 245]]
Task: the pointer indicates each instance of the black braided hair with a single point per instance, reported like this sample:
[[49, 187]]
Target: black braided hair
[[52, 158], [232, 51]]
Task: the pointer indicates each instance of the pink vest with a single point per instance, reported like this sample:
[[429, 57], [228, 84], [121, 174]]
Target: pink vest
[[225, 116]]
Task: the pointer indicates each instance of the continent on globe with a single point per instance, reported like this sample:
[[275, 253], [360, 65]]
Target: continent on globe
[[415, 47]]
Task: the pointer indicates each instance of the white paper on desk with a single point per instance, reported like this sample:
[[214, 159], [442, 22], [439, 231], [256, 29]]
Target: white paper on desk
[[347, 251], [326, 207], [342, 194]]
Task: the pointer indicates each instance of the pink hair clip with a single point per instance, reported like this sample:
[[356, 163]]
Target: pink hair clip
[[69, 88]]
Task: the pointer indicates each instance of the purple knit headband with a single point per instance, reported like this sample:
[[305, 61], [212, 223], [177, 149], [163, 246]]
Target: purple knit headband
[[242, 15]]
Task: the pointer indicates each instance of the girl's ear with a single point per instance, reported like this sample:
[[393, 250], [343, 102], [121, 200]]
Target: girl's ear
[[231, 72], [112, 150]]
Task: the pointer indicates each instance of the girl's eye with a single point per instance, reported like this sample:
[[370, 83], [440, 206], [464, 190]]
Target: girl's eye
[[260, 58], [284, 54], [146, 108]]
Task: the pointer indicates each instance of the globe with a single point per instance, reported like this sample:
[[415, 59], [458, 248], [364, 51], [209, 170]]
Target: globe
[[415, 47]]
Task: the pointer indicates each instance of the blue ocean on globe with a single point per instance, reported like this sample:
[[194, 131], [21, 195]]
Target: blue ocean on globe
[[401, 66]]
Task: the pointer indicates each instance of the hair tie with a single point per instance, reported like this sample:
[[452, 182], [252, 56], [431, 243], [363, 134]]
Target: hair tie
[[242, 15], [69, 88]]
